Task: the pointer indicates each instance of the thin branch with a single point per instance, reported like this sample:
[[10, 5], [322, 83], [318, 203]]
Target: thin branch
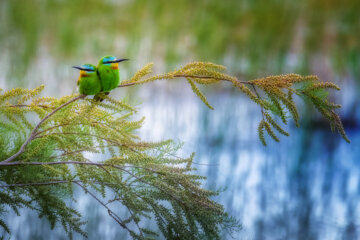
[[75, 133], [103, 168], [93, 135], [50, 183], [52, 163], [94, 164], [126, 85], [131, 213], [78, 182], [139, 179], [77, 151], [34, 184], [74, 124], [66, 153], [56, 126], [33, 133], [209, 77], [173, 155], [188, 76], [110, 212], [133, 217], [27, 105], [129, 145]]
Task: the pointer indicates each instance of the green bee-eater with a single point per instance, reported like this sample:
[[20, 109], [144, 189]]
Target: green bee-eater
[[108, 71], [88, 82]]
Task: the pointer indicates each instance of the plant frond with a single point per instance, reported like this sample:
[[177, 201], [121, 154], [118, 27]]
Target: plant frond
[[47, 146], [199, 94]]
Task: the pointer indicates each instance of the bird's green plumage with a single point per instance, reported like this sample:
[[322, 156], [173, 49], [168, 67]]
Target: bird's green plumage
[[108, 73], [89, 83]]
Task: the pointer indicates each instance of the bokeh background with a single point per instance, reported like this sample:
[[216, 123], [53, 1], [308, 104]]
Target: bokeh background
[[305, 187]]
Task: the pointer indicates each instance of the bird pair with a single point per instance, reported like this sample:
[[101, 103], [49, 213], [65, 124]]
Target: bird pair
[[103, 78]]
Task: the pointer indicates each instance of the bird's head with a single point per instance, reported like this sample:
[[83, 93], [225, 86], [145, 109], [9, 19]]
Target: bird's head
[[111, 61], [86, 70]]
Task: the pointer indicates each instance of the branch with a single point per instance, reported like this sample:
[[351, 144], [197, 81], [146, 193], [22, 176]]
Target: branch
[[3, 163], [187, 76], [126, 85], [56, 126], [278, 81], [26, 105], [209, 77], [49, 183], [110, 212], [34, 131], [101, 165], [91, 135]]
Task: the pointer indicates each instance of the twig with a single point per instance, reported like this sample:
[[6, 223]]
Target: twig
[[189, 76], [209, 77], [126, 84], [49, 183], [92, 135], [52, 163], [94, 164], [33, 133], [110, 212], [56, 126], [26, 105], [76, 133]]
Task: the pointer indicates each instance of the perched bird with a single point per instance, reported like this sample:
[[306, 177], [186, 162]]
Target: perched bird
[[88, 82], [108, 71]]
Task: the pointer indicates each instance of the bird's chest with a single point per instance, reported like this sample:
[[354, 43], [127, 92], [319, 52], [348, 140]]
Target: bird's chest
[[110, 75]]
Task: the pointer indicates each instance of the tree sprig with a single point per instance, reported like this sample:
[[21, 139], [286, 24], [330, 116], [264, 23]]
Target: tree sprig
[[144, 177]]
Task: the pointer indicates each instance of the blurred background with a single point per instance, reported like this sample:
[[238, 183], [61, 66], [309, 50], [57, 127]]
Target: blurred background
[[305, 187]]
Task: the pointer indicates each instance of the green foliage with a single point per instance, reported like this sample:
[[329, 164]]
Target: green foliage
[[142, 176], [41, 162], [275, 99], [281, 104]]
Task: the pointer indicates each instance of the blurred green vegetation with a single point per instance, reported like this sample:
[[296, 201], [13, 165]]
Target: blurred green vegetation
[[248, 36]]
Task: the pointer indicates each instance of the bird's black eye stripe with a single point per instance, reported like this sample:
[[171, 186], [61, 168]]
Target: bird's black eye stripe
[[115, 61]]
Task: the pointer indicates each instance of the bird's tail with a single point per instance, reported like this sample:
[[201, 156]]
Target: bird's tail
[[101, 96]]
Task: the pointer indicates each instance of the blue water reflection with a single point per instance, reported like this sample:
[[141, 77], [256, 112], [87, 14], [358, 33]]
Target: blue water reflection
[[305, 187]]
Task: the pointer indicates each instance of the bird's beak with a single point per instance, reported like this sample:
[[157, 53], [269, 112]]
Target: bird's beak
[[118, 60], [80, 68]]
